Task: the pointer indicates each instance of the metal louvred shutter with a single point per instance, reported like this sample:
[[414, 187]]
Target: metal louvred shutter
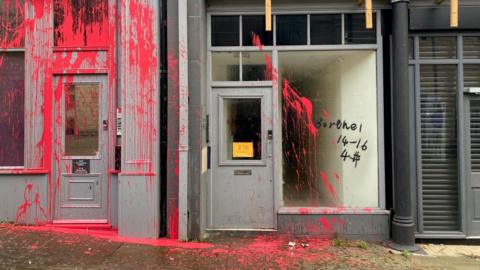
[[471, 75], [475, 135], [439, 167]]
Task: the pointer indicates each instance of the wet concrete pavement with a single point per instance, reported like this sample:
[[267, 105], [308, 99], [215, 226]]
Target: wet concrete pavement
[[53, 248]]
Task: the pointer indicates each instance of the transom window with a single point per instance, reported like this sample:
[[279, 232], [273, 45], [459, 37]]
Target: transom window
[[292, 30]]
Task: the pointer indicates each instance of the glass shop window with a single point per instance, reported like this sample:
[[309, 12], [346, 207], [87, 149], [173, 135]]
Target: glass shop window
[[12, 83], [291, 29], [255, 25], [356, 32], [225, 31], [329, 128], [226, 66], [81, 119], [256, 66], [81, 23], [325, 29], [12, 102]]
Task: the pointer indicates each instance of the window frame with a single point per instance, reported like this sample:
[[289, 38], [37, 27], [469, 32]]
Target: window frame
[[274, 49], [22, 50]]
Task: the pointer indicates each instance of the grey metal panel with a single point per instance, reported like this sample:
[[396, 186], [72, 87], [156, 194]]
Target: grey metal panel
[[138, 189], [23, 199], [438, 18], [356, 226], [138, 214]]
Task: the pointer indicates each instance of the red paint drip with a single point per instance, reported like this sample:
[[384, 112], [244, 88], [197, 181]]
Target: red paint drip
[[327, 183]]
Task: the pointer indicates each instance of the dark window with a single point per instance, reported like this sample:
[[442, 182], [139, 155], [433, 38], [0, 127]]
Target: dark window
[[81, 119], [255, 25], [243, 124], [256, 66], [325, 29], [471, 47], [356, 32], [291, 29], [12, 94], [12, 34], [81, 23], [438, 47], [225, 31]]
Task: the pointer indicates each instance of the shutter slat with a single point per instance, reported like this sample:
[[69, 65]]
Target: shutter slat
[[438, 144]]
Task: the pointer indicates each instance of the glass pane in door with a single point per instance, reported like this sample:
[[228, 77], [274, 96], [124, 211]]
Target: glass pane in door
[[242, 129], [81, 119]]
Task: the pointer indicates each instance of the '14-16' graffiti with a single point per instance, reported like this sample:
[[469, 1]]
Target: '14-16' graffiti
[[360, 145]]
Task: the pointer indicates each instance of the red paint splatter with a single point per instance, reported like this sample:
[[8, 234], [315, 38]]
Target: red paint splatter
[[111, 235], [327, 183], [325, 224], [23, 209]]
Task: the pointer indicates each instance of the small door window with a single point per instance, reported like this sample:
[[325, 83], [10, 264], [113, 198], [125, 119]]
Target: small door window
[[242, 123], [81, 119]]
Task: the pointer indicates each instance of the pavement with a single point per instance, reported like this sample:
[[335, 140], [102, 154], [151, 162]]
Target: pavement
[[42, 247]]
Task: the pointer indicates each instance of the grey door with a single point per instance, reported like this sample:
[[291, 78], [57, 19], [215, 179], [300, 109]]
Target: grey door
[[472, 113], [241, 190], [80, 144]]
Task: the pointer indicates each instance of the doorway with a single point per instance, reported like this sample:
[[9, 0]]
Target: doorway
[[241, 187], [472, 113], [80, 145]]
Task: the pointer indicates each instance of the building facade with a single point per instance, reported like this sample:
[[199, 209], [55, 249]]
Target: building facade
[[185, 118]]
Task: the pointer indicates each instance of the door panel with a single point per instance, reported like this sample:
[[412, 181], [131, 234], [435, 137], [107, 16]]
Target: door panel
[[473, 164], [241, 188], [80, 148]]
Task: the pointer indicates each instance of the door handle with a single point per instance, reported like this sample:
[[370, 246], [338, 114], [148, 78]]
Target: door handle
[[105, 124], [269, 143]]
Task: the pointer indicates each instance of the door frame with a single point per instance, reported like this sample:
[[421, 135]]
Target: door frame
[[60, 80], [215, 101], [468, 168]]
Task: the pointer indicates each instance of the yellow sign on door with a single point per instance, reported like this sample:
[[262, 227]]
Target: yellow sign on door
[[243, 149]]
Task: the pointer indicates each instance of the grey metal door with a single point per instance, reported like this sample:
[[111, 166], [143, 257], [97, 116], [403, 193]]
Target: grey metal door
[[241, 188], [80, 144], [472, 113]]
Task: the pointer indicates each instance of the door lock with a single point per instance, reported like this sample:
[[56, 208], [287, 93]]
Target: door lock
[[270, 134], [105, 124]]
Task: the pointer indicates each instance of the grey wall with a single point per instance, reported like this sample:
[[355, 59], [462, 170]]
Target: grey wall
[[197, 89], [23, 199]]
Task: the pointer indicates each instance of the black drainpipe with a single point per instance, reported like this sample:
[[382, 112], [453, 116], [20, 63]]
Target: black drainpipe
[[163, 117], [403, 224]]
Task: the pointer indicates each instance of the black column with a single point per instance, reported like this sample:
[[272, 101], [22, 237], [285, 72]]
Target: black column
[[403, 226]]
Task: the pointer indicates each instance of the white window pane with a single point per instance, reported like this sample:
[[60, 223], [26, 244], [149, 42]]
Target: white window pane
[[330, 154]]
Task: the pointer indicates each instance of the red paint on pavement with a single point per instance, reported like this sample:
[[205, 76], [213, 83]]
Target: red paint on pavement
[[112, 235]]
